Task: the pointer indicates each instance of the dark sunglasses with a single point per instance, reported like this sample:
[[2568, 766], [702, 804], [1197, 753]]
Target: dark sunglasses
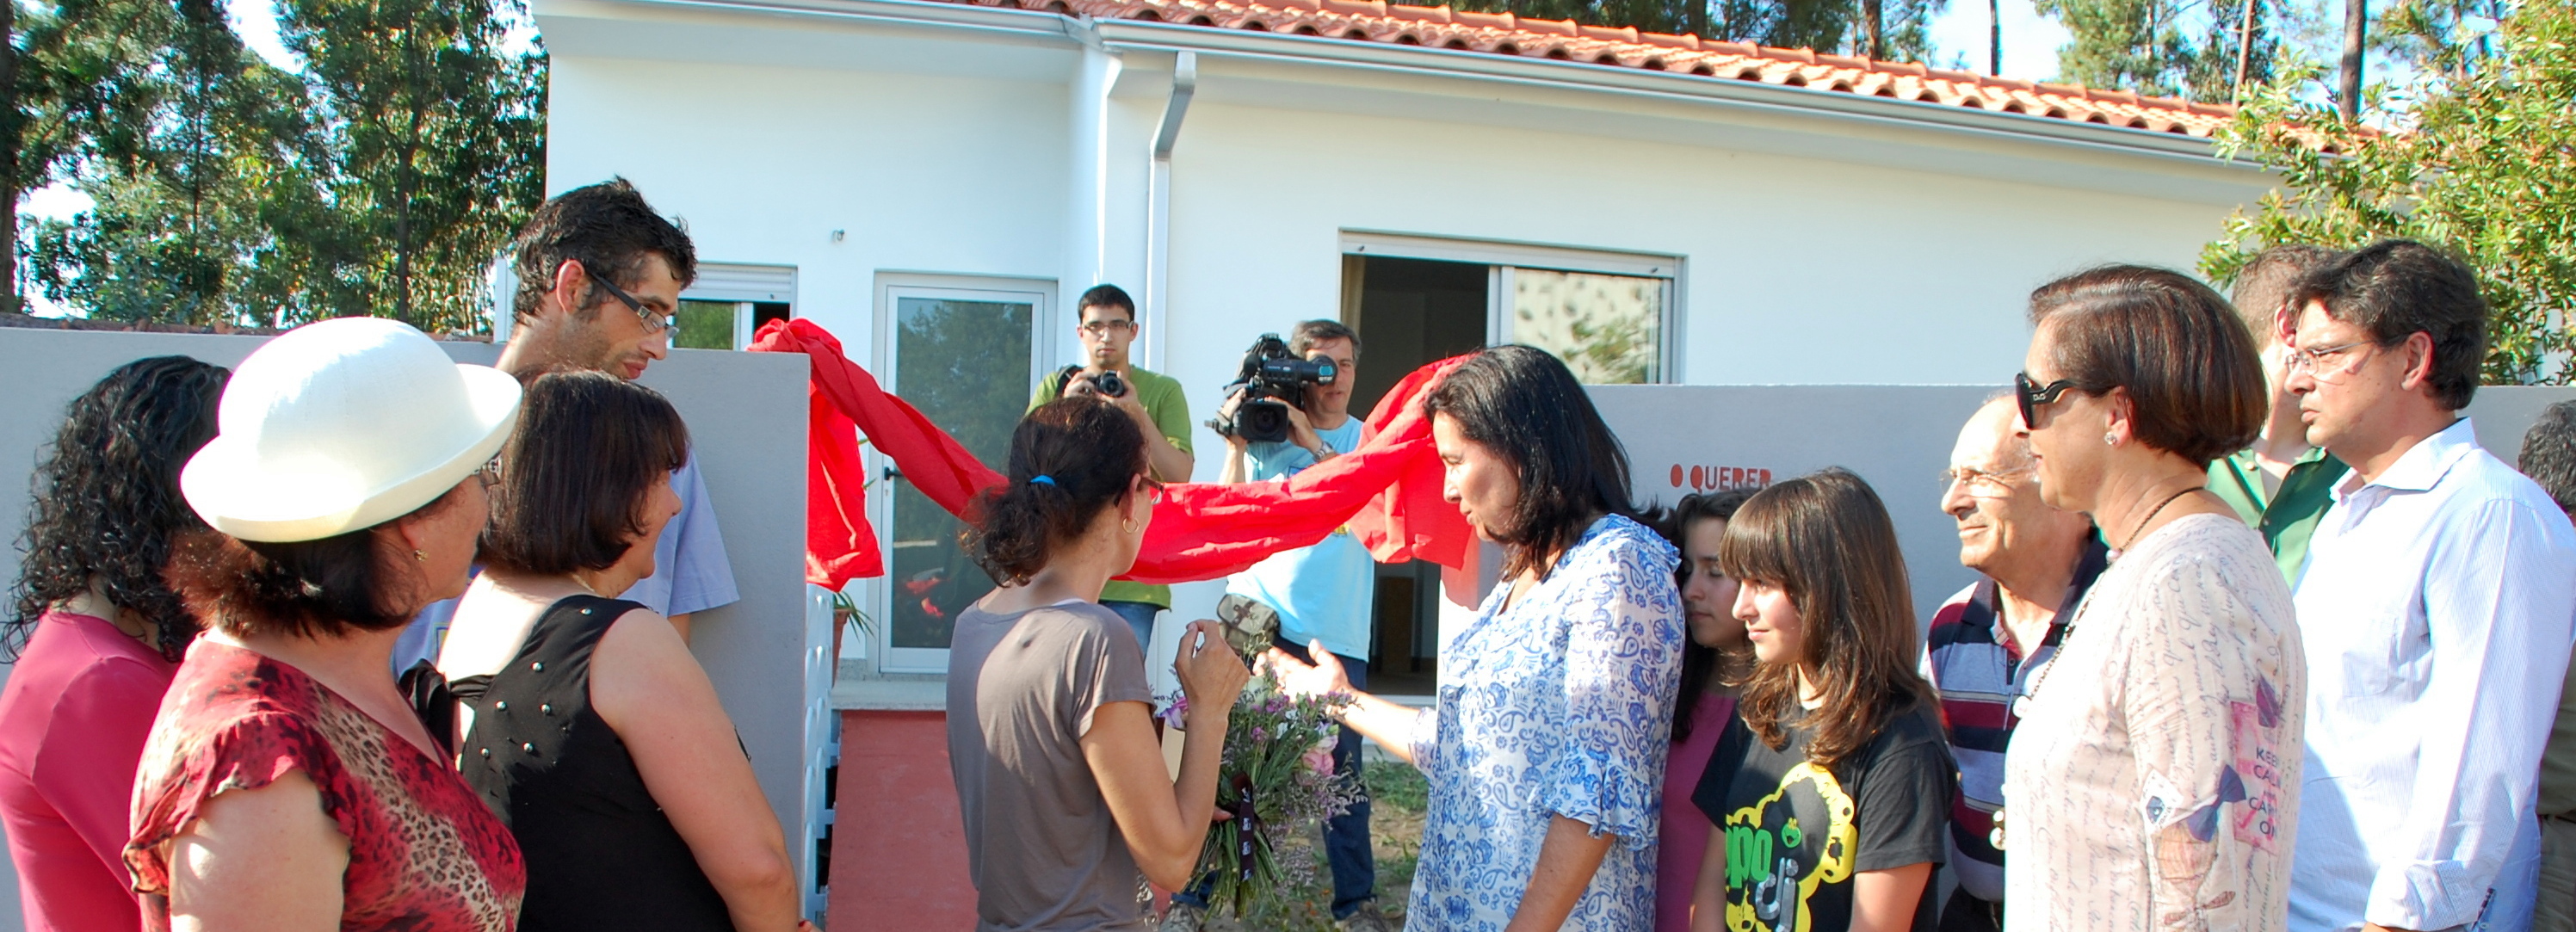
[[2032, 394]]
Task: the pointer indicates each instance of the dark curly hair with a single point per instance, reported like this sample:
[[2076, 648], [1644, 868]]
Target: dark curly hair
[[1089, 452], [106, 501]]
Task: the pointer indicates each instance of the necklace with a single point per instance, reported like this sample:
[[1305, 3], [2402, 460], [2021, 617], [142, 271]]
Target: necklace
[[2066, 641], [2141, 523]]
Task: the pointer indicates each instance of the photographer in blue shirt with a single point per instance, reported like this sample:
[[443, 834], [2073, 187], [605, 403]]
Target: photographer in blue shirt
[[1324, 593]]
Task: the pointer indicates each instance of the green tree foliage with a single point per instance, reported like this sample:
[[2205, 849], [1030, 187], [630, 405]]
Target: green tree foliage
[[157, 112], [378, 180], [2167, 48], [2485, 168], [1894, 30], [437, 138]]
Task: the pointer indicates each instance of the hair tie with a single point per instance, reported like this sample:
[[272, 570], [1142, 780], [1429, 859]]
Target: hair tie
[[1042, 479]]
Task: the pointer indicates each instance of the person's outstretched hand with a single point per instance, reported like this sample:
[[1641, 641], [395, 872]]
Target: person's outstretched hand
[[1324, 677], [1210, 672]]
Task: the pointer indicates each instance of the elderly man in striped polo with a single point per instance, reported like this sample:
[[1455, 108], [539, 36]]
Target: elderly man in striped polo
[[1990, 641]]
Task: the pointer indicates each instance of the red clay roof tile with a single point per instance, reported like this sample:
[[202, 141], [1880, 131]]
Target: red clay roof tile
[[1506, 34]]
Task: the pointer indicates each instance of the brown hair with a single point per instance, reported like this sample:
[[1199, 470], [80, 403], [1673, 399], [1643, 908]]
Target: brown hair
[[1702, 666], [1307, 333], [609, 229], [575, 476], [1525, 406], [2398, 288], [1826, 540], [2195, 385], [2267, 281], [308, 588], [1087, 452]]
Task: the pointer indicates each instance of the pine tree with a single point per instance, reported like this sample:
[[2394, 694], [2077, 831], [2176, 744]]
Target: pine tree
[[154, 109], [2484, 170], [437, 142], [1895, 30]]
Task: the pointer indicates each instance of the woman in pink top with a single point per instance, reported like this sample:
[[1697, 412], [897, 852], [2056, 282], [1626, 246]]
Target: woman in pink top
[[1713, 664], [95, 635]]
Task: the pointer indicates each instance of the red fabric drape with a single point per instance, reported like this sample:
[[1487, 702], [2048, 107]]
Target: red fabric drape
[[1388, 490]]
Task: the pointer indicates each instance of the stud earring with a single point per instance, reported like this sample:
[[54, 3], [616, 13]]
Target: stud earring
[[2110, 440], [419, 556]]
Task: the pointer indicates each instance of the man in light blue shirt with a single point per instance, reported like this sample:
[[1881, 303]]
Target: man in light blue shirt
[[594, 281], [1325, 593], [2437, 611]]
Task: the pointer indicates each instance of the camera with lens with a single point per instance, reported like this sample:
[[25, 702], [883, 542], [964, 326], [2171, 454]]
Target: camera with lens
[[1107, 384], [1271, 381]]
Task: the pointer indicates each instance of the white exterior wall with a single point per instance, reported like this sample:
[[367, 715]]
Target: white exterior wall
[[1814, 251], [1796, 271], [947, 174]]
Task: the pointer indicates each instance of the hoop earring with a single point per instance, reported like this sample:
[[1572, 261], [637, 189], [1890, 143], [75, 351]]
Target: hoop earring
[[1127, 526]]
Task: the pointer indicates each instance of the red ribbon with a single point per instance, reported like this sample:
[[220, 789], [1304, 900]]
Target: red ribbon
[[1387, 491]]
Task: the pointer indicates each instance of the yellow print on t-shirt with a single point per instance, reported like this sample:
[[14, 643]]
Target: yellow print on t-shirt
[[1775, 861]]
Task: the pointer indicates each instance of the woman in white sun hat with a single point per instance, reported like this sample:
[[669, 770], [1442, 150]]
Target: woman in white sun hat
[[287, 785]]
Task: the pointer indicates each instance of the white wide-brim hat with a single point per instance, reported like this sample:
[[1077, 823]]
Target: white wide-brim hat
[[341, 425]]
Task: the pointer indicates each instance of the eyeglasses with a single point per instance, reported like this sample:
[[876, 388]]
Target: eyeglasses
[[1099, 328], [1979, 483], [2313, 361], [1153, 490], [490, 474], [2032, 394], [653, 323]]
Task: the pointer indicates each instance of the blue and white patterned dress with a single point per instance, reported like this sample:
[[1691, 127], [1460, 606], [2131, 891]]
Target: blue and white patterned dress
[[1560, 706]]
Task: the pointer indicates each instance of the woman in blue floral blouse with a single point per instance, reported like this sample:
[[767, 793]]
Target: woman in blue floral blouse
[[1545, 752]]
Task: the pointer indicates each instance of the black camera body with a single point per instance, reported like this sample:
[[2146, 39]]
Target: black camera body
[[1271, 381], [1107, 384]]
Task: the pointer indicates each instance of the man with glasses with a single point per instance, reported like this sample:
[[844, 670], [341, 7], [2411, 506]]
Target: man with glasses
[[599, 275], [2437, 608], [2282, 484], [1988, 642], [1106, 322]]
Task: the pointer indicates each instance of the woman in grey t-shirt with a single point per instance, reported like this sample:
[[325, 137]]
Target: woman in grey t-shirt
[[1060, 776]]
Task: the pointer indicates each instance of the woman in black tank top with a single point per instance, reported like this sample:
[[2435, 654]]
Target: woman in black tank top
[[582, 719]]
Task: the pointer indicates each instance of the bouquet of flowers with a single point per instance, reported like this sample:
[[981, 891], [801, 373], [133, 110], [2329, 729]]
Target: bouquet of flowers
[[1276, 779]]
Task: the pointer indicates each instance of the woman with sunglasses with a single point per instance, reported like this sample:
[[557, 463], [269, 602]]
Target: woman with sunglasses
[[2154, 779], [1059, 773]]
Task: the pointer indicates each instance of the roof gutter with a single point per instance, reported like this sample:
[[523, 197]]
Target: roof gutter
[[1551, 74]]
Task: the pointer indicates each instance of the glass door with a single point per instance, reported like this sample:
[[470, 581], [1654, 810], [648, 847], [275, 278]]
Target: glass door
[[966, 359]]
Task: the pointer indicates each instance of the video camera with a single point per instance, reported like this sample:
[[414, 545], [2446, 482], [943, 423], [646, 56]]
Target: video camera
[[1271, 381]]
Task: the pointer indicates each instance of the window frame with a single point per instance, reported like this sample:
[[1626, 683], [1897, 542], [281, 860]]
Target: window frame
[[1502, 257], [892, 287]]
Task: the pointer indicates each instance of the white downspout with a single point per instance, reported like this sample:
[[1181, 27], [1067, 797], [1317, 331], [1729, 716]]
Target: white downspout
[[1087, 192], [1158, 211]]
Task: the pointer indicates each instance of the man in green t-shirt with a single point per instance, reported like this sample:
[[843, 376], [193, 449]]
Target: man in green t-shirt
[[1107, 324], [2281, 485]]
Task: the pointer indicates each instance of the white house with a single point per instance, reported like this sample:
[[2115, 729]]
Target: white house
[[935, 181]]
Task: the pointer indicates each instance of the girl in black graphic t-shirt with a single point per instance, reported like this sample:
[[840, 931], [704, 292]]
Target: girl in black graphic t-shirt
[[1830, 788]]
